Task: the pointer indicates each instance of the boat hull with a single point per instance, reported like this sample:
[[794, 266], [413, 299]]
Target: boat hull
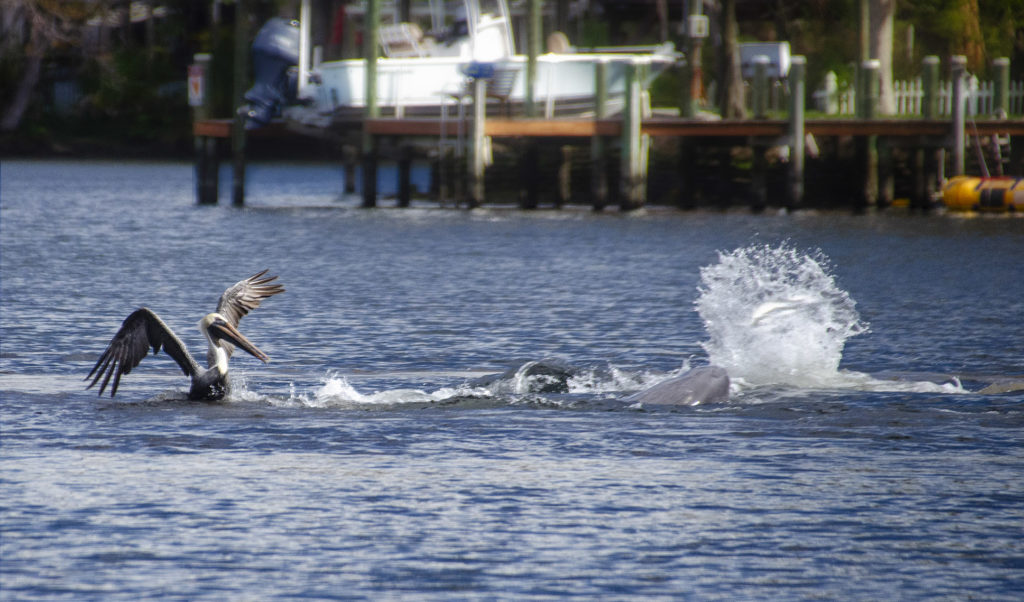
[[422, 86]]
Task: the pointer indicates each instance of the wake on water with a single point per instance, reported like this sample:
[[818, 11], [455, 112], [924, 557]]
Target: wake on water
[[774, 316]]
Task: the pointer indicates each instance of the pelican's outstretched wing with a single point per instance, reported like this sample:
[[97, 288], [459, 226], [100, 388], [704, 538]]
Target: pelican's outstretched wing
[[139, 331], [246, 295]]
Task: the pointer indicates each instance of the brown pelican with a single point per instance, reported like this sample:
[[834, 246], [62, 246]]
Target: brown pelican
[[143, 329]]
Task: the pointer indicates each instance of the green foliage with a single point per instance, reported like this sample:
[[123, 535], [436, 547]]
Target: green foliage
[[133, 97]]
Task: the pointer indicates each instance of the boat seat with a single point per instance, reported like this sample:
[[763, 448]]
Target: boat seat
[[558, 43], [499, 86], [402, 40]]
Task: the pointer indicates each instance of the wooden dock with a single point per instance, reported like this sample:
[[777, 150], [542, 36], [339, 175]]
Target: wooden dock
[[899, 133], [497, 127], [620, 145]]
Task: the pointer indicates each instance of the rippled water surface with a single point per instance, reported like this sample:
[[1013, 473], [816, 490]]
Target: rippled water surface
[[397, 446]]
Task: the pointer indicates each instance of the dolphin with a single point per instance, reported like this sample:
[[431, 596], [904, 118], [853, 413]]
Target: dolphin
[[704, 384]]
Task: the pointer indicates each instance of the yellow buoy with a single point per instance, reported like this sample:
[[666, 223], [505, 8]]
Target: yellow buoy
[[966, 193]]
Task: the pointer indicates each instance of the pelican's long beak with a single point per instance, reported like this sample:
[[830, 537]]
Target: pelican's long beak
[[220, 329]]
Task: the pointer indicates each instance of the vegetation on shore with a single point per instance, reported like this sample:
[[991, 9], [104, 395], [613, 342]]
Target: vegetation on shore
[[89, 77]]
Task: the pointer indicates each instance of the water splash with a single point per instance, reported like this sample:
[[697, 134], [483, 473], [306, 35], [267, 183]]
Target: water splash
[[336, 391], [775, 315]]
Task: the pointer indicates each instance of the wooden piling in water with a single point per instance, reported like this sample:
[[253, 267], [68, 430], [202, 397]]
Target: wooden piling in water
[[405, 175], [1001, 94], [958, 71], [478, 160], [369, 141], [760, 90], [927, 160], [797, 91], [207, 161], [241, 72], [759, 163], [598, 148], [565, 177], [529, 157], [867, 103], [348, 157], [632, 167]]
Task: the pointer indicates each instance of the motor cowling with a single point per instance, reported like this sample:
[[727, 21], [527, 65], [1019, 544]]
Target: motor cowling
[[275, 54]]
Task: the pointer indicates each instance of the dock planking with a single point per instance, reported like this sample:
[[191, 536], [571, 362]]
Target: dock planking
[[658, 127]]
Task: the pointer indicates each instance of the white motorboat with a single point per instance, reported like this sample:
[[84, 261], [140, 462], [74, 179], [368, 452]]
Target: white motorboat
[[419, 73]]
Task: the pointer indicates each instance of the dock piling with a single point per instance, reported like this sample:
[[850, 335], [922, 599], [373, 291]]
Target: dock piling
[[928, 159], [405, 175], [478, 162], [633, 182], [760, 87], [207, 167], [867, 104], [958, 70], [241, 70], [598, 148], [797, 92], [369, 141], [1001, 94]]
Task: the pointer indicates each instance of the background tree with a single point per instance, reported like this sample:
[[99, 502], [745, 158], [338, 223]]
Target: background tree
[[731, 90], [35, 26]]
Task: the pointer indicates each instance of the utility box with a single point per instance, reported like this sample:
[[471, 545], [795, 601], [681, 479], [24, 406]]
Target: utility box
[[778, 58]]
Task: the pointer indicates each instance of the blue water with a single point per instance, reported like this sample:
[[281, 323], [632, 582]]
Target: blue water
[[373, 458]]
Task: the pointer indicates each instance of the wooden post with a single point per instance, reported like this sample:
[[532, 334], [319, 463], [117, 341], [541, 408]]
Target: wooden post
[[528, 196], [930, 83], [207, 163], [349, 155], [241, 66], [1001, 100], [565, 177], [797, 92], [867, 102], [476, 175], [686, 104], [760, 87], [210, 183], [404, 175], [632, 182], [369, 145], [533, 36], [696, 26], [529, 164], [758, 175], [928, 159], [598, 150], [958, 69]]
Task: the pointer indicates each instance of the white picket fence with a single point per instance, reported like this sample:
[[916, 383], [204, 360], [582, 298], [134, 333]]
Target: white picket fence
[[909, 95]]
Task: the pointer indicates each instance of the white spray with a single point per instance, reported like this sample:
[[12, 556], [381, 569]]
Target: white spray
[[775, 315]]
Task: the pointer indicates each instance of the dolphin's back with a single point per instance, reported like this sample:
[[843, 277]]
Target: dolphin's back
[[705, 384]]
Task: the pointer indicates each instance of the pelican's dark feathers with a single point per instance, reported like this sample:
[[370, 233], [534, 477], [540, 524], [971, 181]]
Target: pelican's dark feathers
[[143, 329]]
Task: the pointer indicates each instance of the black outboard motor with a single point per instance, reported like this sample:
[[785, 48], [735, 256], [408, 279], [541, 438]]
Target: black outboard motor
[[275, 53]]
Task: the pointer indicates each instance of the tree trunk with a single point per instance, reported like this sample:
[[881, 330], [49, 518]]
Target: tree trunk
[[732, 80], [882, 14], [968, 41], [27, 85]]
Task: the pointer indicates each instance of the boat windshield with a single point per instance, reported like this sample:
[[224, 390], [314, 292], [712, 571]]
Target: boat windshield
[[490, 29]]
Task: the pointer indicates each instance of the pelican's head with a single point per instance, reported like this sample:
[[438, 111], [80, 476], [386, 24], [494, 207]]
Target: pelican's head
[[217, 328]]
